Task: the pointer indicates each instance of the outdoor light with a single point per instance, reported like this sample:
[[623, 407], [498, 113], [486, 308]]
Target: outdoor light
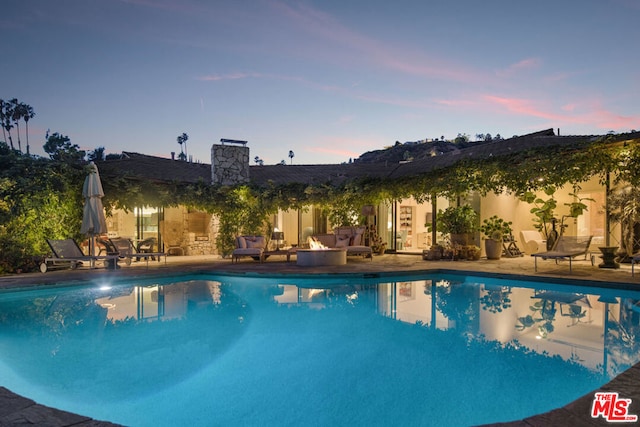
[[277, 236]]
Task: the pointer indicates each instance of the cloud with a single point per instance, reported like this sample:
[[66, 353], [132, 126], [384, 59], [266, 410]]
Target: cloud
[[518, 67], [341, 44], [230, 76], [583, 113], [523, 107]]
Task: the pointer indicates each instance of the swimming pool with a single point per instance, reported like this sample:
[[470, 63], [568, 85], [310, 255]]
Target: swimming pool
[[215, 350]]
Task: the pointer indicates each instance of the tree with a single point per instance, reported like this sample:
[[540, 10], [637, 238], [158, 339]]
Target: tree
[[16, 116], [182, 139], [258, 161], [28, 114], [2, 115], [39, 199], [461, 138], [11, 112], [291, 155], [97, 154], [7, 118], [59, 147]]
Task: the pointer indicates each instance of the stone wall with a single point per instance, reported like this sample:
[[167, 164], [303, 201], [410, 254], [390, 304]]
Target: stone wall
[[229, 164]]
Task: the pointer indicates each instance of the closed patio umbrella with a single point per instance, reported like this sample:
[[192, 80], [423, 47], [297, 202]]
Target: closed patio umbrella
[[93, 220]]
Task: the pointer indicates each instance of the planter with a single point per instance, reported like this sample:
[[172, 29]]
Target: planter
[[433, 254], [463, 239], [609, 257], [493, 248]]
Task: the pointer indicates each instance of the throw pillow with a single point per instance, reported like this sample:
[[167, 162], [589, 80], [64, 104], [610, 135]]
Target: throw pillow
[[357, 239], [342, 241], [252, 242], [241, 242]]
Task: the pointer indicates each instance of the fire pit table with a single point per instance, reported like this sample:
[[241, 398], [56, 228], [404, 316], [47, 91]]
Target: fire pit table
[[321, 257]]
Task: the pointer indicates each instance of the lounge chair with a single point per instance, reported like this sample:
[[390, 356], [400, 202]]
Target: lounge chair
[[125, 250], [566, 247], [251, 246], [67, 254]]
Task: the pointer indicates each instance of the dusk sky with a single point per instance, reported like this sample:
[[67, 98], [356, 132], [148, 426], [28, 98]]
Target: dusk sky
[[329, 79]]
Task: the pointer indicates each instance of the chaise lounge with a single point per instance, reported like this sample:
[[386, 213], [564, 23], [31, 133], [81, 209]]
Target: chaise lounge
[[124, 249], [567, 248], [67, 254]]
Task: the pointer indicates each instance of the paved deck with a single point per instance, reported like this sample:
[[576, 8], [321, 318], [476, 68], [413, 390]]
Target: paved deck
[[15, 409]]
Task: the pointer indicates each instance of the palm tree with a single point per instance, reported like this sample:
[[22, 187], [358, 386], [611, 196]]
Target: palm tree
[[291, 155], [182, 139], [2, 114], [28, 113], [19, 111], [7, 117]]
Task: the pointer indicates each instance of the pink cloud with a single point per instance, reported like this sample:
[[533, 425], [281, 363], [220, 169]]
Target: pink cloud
[[578, 113], [523, 107]]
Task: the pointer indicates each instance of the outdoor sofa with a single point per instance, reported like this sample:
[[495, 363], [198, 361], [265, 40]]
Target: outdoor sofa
[[350, 238]]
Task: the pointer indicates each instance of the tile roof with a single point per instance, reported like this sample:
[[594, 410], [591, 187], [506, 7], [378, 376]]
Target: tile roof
[[140, 166]]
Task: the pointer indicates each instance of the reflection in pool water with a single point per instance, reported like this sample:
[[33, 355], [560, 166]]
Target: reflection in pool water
[[452, 350]]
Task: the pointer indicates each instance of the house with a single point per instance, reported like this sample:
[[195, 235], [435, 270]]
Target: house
[[404, 224]]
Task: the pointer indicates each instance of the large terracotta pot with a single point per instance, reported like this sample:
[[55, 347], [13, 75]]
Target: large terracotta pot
[[493, 248]]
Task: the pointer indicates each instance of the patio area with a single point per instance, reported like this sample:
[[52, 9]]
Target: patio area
[[582, 270], [17, 409]]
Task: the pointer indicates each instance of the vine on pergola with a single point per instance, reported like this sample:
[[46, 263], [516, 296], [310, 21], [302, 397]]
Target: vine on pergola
[[516, 173]]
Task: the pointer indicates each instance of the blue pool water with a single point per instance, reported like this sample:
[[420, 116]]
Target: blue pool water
[[214, 350]]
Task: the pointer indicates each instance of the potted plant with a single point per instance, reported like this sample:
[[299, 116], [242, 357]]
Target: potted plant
[[434, 253], [375, 241], [459, 222], [494, 229]]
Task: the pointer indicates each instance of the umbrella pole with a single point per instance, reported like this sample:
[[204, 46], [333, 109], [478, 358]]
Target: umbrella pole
[[92, 250]]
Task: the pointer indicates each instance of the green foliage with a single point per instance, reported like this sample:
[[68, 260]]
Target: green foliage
[[59, 147], [457, 220], [577, 207], [39, 199], [543, 210], [45, 194], [495, 228], [624, 209]]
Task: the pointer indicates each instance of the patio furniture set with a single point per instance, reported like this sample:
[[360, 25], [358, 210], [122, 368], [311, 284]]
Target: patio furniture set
[[347, 239], [67, 253]]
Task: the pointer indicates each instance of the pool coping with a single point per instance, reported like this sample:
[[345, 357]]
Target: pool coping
[[18, 409]]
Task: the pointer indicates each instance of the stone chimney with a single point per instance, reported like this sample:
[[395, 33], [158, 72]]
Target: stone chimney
[[230, 162]]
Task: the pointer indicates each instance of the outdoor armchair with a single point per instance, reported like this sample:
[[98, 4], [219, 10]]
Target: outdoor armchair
[[251, 246]]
